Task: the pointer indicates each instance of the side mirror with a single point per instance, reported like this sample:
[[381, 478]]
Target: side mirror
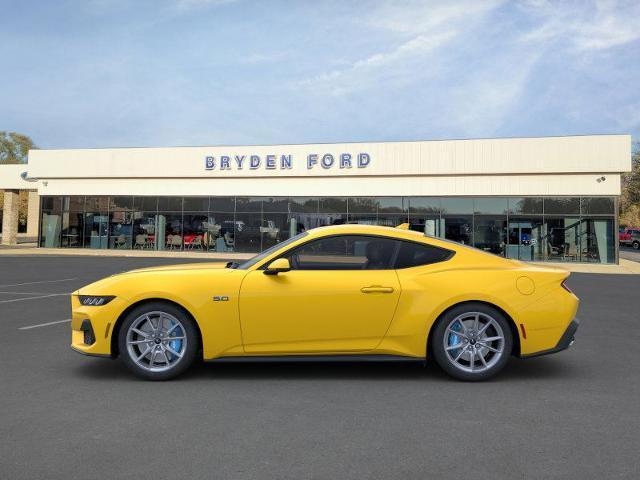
[[279, 265]]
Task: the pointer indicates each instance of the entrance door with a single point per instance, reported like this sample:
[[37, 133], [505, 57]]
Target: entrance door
[[339, 296], [525, 240]]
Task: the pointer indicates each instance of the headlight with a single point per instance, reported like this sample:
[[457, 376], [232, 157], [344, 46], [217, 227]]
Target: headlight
[[95, 301]]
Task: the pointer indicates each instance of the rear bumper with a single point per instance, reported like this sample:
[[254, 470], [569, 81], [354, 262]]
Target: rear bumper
[[566, 340]]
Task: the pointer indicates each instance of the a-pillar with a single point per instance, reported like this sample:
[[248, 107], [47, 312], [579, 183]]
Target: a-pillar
[[33, 214], [10, 217]]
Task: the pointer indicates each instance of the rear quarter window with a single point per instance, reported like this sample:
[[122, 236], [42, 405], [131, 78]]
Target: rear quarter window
[[413, 254]]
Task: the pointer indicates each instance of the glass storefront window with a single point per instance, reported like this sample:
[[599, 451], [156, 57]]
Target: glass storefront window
[[170, 204], [275, 228], [275, 205], [249, 204], [490, 206], [490, 234], [363, 218], [72, 222], [456, 206], [96, 230], [303, 205], [145, 204], [196, 204], [168, 231], [597, 240], [597, 206], [248, 232], [96, 204], [51, 224], [525, 239], [392, 205], [566, 229], [301, 222], [525, 206], [96, 222], [458, 228], [120, 230], [120, 203], [195, 230], [220, 235], [144, 230], [391, 220], [562, 205], [332, 205], [362, 205], [421, 205], [330, 219], [562, 238], [222, 204]]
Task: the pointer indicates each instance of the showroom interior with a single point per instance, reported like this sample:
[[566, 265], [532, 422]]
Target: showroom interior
[[577, 229]]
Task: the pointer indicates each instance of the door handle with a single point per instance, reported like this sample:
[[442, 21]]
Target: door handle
[[376, 289]]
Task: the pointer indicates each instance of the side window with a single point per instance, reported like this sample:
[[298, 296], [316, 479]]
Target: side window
[[414, 254], [345, 252]]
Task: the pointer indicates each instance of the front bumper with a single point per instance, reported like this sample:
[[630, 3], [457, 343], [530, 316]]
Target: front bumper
[[92, 326], [566, 340]]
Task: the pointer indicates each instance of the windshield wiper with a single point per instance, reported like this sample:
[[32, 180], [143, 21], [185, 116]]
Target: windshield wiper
[[232, 265]]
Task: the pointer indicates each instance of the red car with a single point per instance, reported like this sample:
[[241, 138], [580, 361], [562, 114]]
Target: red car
[[629, 237]]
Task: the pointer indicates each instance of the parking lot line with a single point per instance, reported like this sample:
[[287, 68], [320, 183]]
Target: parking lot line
[[32, 298], [29, 327], [40, 281]]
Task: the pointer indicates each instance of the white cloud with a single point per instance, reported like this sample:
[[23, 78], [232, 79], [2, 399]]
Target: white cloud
[[419, 30], [599, 26], [363, 72], [479, 105], [419, 17]]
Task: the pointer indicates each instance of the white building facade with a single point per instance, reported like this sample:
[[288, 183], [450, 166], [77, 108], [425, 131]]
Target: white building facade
[[551, 198]]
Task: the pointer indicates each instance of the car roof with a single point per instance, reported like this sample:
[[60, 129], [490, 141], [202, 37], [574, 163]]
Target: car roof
[[400, 233], [465, 252]]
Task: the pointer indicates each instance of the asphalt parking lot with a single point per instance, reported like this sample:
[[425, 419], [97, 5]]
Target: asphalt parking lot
[[571, 415], [629, 253]]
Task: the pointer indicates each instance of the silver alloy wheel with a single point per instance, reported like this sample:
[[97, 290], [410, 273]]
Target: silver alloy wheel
[[474, 342], [156, 341]]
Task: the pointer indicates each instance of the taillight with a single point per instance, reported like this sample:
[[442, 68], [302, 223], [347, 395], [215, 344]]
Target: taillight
[[564, 285]]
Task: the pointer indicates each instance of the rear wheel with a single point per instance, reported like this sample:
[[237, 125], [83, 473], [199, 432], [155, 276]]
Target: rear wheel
[[158, 341], [636, 245], [472, 341]]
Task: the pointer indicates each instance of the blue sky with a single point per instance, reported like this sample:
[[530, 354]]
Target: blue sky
[[102, 73]]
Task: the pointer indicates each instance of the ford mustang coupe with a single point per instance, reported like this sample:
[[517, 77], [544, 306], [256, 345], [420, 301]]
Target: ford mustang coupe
[[340, 292]]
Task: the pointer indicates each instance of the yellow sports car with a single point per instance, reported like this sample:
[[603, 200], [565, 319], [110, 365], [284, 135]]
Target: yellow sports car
[[338, 292]]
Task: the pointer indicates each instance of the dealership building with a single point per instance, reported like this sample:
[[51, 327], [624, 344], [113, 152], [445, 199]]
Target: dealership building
[[535, 199]]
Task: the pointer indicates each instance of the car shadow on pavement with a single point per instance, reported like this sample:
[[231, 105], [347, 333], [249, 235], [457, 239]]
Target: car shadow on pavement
[[516, 370]]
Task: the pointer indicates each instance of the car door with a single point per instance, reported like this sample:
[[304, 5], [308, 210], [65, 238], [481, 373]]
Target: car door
[[339, 296]]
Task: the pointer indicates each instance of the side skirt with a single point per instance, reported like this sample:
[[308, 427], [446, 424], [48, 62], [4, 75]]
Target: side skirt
[[316, 358]]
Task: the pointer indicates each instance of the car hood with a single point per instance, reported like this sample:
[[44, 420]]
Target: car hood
[[105, 285], [180, 266]]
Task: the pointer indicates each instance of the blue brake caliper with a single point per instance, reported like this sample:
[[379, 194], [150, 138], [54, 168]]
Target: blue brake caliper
[[455, 339], [176, 345]]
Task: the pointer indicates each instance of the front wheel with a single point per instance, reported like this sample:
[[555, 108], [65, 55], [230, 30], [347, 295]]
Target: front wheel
[[636, 245], [472, 342], [158, 341]]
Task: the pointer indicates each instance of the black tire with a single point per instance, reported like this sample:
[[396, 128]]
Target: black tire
[[437, 341], [636, 245], [180, 365]]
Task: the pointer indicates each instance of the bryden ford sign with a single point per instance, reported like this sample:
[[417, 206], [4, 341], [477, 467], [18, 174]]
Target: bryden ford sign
[[286, 162]]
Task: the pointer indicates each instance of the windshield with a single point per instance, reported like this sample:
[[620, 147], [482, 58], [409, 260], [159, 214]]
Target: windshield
[[253, 260]]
